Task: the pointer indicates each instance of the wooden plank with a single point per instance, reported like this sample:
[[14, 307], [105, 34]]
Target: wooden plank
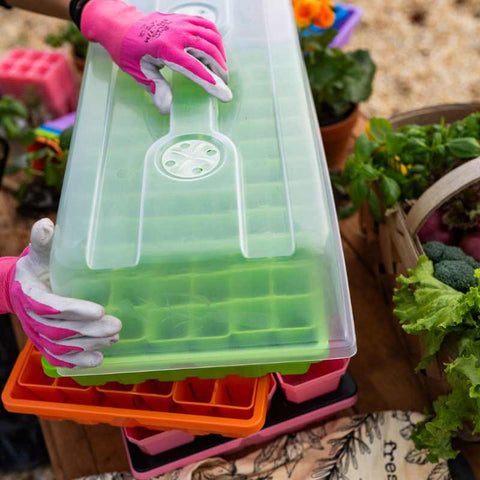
[[68, 449], [81, 450], [106, 445]]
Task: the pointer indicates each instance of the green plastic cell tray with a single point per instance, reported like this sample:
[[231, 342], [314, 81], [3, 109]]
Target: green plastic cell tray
[[247, 371], [211, 232]]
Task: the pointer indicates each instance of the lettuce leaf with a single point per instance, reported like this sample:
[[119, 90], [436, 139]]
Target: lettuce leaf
[[440, 314]]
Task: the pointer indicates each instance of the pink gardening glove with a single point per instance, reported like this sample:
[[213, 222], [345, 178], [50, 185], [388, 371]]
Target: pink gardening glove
[[142, 44], [66, 331]]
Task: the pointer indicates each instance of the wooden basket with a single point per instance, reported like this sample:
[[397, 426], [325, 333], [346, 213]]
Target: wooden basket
[[395, 244]]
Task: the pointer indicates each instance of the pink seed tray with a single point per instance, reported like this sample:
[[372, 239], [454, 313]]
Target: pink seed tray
[[153, 442], [178, 450], [321, 378]]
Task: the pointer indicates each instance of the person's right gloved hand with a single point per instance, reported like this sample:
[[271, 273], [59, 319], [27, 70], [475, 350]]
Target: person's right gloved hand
[[67, 331], [142, 44]]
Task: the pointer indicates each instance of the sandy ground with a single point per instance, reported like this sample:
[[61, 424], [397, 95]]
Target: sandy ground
[[427, 51]]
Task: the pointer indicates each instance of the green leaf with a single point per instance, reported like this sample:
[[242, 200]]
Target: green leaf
[[395, 142], [350, 171], [318, 41], [364, 148], [374, 205], [380, 128], [27, 137], [468, 367], [390, 189], [464, 147], [418, 168], [424, 303], [52, 176], [66, 138], [369, 173], [10, 126], [358, 192], [415, 146], [357, 73]]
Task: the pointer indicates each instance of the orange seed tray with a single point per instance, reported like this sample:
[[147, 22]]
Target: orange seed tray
[[232, 406]]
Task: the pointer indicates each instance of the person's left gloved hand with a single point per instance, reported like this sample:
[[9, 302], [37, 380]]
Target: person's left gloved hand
[[67, 331], [142, 44]]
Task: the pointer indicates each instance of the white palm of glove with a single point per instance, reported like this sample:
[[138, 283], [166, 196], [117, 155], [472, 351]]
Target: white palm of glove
[[67, 331]]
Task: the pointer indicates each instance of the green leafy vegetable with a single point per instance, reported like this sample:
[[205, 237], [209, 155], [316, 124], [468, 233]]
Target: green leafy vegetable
[[444, 316], [400, 165]]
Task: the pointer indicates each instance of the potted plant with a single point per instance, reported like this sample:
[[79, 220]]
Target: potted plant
[[340, 81], [78, 43]]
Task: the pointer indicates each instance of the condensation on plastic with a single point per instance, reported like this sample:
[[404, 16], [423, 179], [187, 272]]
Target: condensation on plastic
[[238, 265]]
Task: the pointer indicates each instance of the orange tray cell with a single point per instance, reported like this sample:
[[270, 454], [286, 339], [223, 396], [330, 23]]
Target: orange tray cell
[[232, 406]]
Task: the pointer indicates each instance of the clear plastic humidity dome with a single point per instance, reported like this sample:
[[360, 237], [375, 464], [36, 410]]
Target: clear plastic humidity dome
[[211, 233]]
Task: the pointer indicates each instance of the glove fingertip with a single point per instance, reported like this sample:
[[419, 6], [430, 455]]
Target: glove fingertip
[[42, 231], [90, 360], [114, 323], [163, 105]]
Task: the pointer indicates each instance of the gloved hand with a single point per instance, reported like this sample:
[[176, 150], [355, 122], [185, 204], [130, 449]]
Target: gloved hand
[[141, 44], [65, 330]]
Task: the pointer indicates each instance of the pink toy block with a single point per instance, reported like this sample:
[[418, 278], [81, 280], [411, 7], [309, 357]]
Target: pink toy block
[[43, 74], [321, 378]]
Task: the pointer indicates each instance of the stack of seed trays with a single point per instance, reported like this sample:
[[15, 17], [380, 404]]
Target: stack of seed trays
[[153, 453], [232, 406], [210, 232]]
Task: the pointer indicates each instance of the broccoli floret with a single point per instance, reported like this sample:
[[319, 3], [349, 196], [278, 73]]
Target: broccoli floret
[[434, 251], [438, 252], [457, 274], [454, 253]]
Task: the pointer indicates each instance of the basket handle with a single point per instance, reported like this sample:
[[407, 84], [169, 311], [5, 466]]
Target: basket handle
[[441, 191]]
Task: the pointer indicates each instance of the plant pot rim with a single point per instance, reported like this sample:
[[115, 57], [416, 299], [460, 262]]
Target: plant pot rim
[[342, 123]]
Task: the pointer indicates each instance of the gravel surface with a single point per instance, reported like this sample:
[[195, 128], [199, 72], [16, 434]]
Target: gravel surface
[[427, 51]]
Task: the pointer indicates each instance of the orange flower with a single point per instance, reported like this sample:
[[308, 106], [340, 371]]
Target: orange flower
[[306, 11], [325, 18]]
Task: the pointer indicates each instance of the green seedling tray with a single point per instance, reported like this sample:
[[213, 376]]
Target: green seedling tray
[[248, 371]]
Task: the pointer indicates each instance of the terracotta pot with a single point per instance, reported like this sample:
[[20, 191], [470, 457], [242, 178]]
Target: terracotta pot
[[335, 140]]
